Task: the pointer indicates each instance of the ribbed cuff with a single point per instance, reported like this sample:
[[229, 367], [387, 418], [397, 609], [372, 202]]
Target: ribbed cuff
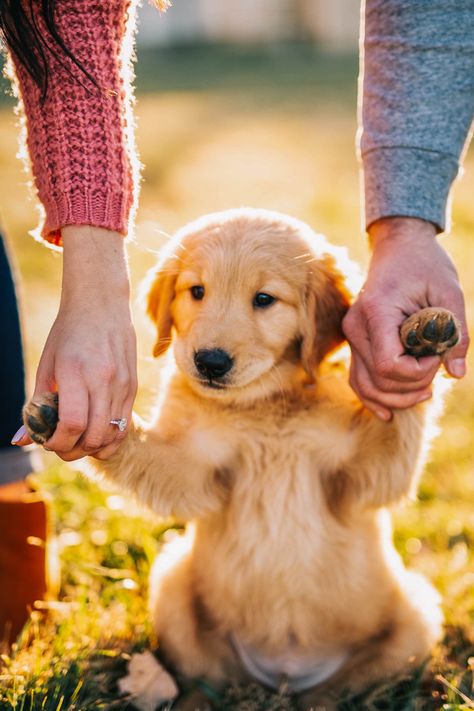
[[408, 182], [111, 211]]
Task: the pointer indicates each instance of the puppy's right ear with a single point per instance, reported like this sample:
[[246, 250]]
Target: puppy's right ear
[[160, 295]]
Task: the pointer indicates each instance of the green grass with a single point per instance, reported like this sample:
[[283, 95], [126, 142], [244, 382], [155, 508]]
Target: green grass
[[106, 550], [219, 128], [269, 68], [202, 67]]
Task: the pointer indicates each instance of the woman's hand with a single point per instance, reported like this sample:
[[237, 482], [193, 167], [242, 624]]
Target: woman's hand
[[409, 271], [90, 353]]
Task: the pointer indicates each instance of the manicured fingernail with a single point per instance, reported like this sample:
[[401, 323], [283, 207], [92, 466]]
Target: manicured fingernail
[[383, 415], [19, 435], [458, 367]]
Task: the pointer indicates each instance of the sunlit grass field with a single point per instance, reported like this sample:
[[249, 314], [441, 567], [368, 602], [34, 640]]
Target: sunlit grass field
[[221, 128]]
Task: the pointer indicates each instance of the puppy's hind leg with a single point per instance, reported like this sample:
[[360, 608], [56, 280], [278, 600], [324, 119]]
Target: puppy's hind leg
[[188, 637], [400, 650]]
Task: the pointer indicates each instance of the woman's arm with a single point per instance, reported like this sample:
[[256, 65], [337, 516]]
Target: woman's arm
[[80, 142], [80, 137]]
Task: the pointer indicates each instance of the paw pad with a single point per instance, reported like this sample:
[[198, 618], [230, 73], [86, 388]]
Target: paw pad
[[41, 417], [431, 331]]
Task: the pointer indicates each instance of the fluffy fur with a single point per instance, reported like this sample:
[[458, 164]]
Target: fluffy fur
[[285, 478]]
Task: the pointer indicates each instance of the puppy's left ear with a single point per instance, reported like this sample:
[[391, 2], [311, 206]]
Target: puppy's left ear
[[327, 300], [160, 295]]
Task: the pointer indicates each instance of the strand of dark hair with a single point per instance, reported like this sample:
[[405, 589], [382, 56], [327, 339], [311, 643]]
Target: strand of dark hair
[[21, 34]]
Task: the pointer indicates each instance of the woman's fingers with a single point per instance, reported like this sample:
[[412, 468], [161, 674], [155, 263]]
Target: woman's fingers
[[73, 412], [101, 438], [122, 404], [21, 437], [99, 433]]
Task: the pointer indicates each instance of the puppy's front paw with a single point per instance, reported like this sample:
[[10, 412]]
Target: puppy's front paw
[[40, 417], [431, 331]]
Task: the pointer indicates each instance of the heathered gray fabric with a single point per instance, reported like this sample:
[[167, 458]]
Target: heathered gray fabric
[[417, 104]]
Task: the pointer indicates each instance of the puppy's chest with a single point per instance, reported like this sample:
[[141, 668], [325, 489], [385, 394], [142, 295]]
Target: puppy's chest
[[288, 452], [276, 482], [274, 457]]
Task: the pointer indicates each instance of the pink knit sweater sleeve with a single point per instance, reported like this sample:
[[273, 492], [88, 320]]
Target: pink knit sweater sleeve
[[80, 139]]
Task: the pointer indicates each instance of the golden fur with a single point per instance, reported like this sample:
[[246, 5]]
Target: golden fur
[[284, 476]]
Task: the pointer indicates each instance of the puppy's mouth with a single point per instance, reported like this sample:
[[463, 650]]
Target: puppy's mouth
[[212, 384]]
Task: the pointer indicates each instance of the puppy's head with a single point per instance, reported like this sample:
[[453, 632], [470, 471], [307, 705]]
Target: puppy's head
[[248, 297]]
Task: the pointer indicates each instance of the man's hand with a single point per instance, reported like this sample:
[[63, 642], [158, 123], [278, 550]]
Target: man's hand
[[90, 353], [409, 271]]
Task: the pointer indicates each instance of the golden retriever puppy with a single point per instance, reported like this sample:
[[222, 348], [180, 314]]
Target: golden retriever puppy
[[287, 573]]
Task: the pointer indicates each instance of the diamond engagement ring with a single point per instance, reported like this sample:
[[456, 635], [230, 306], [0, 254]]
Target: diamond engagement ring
[[121, 424]]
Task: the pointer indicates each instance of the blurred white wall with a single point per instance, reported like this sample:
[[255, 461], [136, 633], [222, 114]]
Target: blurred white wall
[[333, 23]]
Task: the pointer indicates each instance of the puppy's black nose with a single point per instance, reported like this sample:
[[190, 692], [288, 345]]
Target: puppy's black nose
[[213, 363]]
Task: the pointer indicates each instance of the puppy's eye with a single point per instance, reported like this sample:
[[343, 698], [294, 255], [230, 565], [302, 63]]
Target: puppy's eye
[[197, 292], [262, 300]]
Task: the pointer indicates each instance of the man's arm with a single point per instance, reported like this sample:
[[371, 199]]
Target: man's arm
[[417, 105]]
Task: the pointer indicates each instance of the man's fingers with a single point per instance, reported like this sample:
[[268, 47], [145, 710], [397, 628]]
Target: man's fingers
[[381, 412], [388, 385], [389, 360], [455, 360], [456, 367], [375, 399], [393, 372], [400, 387], [376, 340]]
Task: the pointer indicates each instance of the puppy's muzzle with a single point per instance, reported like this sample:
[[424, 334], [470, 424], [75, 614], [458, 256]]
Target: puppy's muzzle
[[212, 363]]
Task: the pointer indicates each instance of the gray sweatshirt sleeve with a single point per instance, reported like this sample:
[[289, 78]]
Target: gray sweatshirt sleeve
[[416, 93]]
